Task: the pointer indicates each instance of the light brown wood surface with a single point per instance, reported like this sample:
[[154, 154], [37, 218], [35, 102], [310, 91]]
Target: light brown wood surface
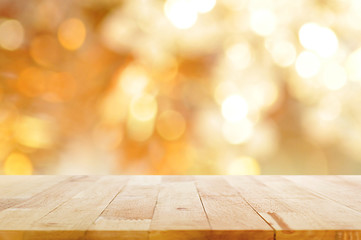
[[180, 207]]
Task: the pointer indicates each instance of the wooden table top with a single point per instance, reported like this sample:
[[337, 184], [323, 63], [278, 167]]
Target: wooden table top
[[180, 207]]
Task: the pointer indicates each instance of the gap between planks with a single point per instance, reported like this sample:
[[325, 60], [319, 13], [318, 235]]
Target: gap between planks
[[291, 209], [272, 202]]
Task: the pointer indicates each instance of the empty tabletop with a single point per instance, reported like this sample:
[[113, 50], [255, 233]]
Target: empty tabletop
[[180, 207]]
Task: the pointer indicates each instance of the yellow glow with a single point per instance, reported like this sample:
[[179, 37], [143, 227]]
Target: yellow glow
[[72, 33], [244, 166], [319, 39], [320, 127], [113, 108], [11, 34], [139, 130], [283, 53], [5, 149], [33, 132], [171, 125], [18, 164], [40, 48], [204, 6], [206, 120], [31, 81], [271, 93], [334, 76], [181, 13], [223, 90], [234, 5], [265, 141], [133, 79], [261, 94], [307, 64], [237, 132], [108, 137], [239, 54], [143, 107], [118, 30], [263, 22], [353, 65], [329, 108], [60, 87], [161, 87], [234, 108]]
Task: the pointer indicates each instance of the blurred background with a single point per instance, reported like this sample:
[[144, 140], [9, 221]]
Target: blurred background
[[180, 87]]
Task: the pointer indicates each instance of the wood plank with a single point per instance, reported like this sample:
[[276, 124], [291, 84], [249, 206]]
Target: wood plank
[[332, 187], [214, 186], [296, 213], [10, 202], [8, 182], [179, 213], [26, 186], [18, 220], [129, 215], [17, 189], [141, 180], [177, 178], [230, 216], [352, 179], [180, 207], [87, 205]]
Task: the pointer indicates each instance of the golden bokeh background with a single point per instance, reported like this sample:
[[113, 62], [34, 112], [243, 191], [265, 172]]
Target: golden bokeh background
[[180, 87]]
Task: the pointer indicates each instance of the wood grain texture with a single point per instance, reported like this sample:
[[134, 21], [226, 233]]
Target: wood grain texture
[[335, 188], [130, 213], [179, 213], [297, 213], [17, 189], [229, 215], [16, 221], [180, 207], [72, 218]]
